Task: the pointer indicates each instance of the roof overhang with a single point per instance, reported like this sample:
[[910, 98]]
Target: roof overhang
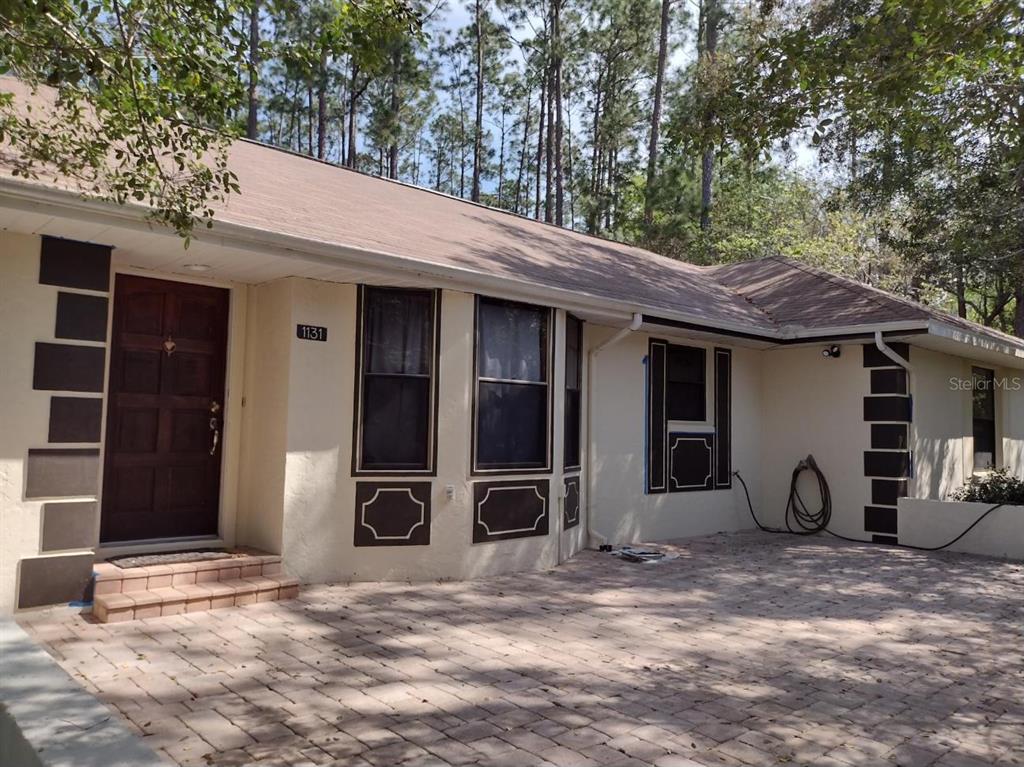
[[247, 254]]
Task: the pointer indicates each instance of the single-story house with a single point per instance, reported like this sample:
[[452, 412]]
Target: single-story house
[[376, 381]]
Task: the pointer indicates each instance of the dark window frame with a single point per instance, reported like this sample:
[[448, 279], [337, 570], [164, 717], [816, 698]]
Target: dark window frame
[[577, 387], [989, 376], [359, 468], [476, 469], [702, 384]]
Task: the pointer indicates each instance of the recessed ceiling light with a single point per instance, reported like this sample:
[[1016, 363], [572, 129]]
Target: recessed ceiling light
[[198, 267]]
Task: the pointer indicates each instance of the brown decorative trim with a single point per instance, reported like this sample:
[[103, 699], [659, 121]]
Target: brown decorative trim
[[75, 419], [73, 264], [873, 357], [890, 436], [510, 509], [691, 462], [571, 507], [59, 473], [73, 525], [879, 519], [723, 418], [896, 464], [62, 367], [887, 492], [54, 579], [81, 317], [888, 409], [431, 470], [657, 422], [475, 471], [889, 381], [392, 514]]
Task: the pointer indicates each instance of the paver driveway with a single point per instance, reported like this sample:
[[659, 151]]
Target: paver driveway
[[747, 649]]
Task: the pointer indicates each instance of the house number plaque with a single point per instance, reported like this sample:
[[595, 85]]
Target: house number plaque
[[311, 332]]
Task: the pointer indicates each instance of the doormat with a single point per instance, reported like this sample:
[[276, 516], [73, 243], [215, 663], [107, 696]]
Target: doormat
[[169, 558]]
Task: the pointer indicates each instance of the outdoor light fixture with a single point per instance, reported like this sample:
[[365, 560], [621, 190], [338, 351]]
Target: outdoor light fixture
[[198, 267], [831, 351]]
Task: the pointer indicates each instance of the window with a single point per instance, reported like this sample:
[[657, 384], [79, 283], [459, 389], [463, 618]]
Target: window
[[573, 385], [685, 384], [397, 361], [512, 400], [984, 391]]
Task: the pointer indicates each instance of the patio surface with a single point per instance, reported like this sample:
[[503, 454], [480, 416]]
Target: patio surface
[[748, 649]]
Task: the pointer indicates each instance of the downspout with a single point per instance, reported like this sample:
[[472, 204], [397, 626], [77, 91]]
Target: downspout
[[594, 538], [888, 351]]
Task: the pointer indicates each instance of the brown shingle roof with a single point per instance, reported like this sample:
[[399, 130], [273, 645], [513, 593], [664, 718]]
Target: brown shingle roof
[[283, 193]]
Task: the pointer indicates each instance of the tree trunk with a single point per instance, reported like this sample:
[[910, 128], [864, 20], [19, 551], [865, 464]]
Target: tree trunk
[[252, 119], [556, 98], [549, 155], [707, 160], [961, 293], [540, 146], [501, 154], [394, 127], [522, 155], [353, 100], [309, 120], [321, 108], [659, 87], [593, 215], [478, 118]]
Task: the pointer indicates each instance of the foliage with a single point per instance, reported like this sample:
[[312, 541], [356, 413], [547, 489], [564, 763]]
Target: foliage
[[998, 486], [144, 99]]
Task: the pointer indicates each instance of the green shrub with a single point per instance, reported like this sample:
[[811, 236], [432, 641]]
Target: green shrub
[[998, 486]]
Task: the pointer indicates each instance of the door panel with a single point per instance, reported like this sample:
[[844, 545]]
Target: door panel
[[165, 412]]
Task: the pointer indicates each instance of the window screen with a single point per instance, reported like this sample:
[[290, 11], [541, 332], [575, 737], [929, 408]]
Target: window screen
[[984, 391], [512, 385], [686, 384], [396, 393]]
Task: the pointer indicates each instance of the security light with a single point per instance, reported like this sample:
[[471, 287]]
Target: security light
[[831, 351]]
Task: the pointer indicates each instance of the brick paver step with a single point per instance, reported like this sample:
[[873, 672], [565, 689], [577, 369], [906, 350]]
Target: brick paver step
[[193, 597], [111, 579]]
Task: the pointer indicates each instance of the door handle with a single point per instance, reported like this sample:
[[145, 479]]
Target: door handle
[[214, 426]]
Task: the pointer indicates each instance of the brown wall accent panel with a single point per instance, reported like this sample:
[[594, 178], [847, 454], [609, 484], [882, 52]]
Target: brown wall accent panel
[[880, 520], [571, 507], [691, 462], [889, 436], [510, 509], [887, 492], [873, 358], [392, 514], [887, 409], [723, 418], [56, 473], [54, 580], [81, 317], [889, 381], [73, 525], [657, 425], [75, 419], [62, 367], [73, 264], [895, 464]]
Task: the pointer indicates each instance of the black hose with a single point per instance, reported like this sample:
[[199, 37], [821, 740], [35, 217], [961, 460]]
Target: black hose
[[813, 522]]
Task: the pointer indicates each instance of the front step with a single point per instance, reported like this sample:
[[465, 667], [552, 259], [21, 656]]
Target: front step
[[123, 594]]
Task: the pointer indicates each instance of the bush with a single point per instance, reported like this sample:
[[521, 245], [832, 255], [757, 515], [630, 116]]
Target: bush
[[999, 486]]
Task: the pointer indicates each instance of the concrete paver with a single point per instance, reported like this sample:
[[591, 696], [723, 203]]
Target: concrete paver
[[746, 649]]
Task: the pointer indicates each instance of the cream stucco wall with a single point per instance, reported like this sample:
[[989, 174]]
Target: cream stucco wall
[[27, 312], [298, 488], [943, 429], [622, 511], [814, 406]]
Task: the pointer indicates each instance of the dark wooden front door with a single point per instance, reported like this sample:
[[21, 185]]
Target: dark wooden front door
[[166, 410]]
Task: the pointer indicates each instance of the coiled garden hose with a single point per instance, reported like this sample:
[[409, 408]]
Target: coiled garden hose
[[812, 522]]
